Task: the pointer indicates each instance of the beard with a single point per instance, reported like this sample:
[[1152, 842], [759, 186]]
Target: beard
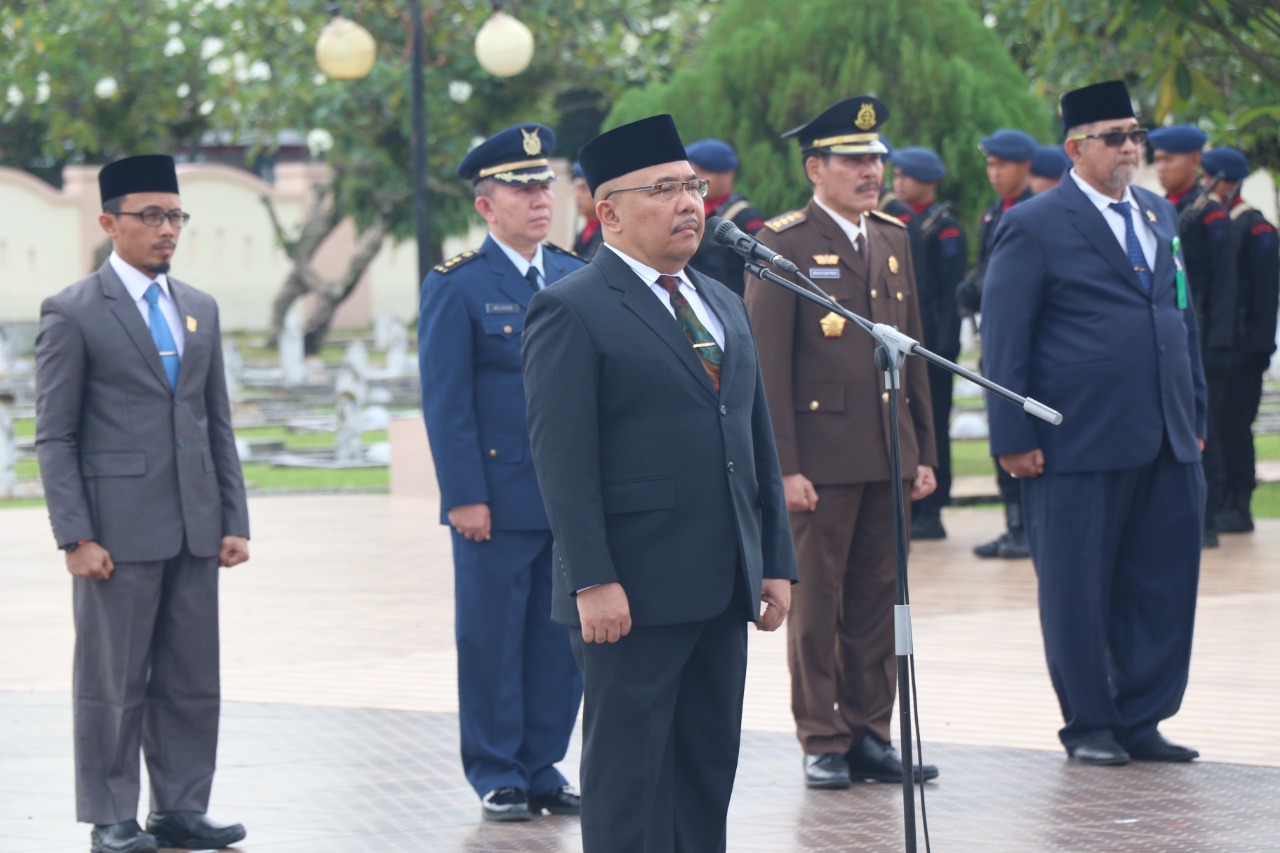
[[157, 269], [1121, 176]]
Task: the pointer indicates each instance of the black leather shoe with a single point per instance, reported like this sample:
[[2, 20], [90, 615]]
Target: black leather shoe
[[1209, 538], [1014, 546], [562, 800], [126, 837], [505, 804], [1233, 520], [192, 830], [927, 525], [875, 760], [990, 550], [1154, 747], [828, 771], [1100, 751]]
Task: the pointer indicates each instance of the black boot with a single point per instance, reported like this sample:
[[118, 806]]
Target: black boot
[[1014, 546], [927, 524], [1235, 517]]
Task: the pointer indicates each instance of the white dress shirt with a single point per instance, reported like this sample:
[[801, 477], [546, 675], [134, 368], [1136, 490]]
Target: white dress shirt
[[521, 264], [136, 282], [1146, 237], [650, 277], [851, 229]]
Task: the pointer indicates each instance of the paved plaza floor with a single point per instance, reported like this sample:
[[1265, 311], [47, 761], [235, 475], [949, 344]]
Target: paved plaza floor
[[340, 731]]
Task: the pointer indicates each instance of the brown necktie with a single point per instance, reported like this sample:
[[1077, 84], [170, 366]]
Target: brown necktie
[[864, 257], [704, 344]]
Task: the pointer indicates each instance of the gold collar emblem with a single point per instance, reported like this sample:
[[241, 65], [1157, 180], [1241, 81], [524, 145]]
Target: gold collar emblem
[[1151, 216], [893, 264], [866, 117], [826, 260], [832, 325], [191, 324], [532, 144]]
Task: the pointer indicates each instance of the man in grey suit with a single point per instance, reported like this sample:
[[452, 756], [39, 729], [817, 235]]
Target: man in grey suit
[[656, 460], [146, 498]]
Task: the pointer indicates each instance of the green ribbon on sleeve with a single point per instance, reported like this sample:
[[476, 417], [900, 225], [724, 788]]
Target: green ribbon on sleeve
[[1181, 276]]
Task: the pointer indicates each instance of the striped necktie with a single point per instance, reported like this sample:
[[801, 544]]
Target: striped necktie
[[1132, 246], [704, 344]]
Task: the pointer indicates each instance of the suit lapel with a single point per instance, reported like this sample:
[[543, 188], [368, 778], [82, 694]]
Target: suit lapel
[[641, 301], [1088, 220], [505, 275], [126, 311]]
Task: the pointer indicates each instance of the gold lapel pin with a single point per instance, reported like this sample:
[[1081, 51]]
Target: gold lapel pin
[[191, 324], [893, 264], [1151, 216]]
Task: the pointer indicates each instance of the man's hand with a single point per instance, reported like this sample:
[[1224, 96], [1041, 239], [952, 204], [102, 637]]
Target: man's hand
[[924, 483], [1024, 466], [472, 521], [801, 495], [235, 550], [1200, 442], [776, 597], [605, 613], [91, 561]]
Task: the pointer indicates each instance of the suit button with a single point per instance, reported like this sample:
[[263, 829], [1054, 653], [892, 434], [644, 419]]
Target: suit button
[[814, 406], [724, 410], [182, 442], [730, 467], [873, 293], [899, 295], [884, 398], [506, 330], [492, 453], [1162, 348]]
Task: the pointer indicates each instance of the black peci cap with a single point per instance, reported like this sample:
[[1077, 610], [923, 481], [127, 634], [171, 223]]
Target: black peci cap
[[631, 147], [145, 173], [1098, 102]]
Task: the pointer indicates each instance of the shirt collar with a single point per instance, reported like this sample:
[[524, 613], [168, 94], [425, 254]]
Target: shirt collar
[[135, 280], [522, 266], [647, 273], [851, 229], [1100, 201]]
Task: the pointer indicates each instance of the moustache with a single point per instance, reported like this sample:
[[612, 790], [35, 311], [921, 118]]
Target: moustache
[[868, 186], [692, 220]]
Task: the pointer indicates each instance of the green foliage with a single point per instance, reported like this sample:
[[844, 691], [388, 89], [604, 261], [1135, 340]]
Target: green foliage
[[246, 69], [764, 69], [1215, 63]]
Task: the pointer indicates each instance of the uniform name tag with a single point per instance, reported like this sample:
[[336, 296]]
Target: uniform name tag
[[502, 308], [824, 272]]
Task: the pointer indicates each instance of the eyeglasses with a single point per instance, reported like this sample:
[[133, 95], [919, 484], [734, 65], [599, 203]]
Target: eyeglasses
[[668, 190], [154, 216], [1116, 138]]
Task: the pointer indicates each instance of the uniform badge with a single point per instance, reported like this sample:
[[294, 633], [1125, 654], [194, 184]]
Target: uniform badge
[[824, 272], [826, 260], [191, 324], [532, 144], [502, 308], [866, 116], [893, 264], [1151, 216], [832, 325]]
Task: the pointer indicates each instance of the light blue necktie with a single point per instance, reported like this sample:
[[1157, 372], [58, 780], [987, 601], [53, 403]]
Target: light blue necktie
[[1132, 245], [162, 335]]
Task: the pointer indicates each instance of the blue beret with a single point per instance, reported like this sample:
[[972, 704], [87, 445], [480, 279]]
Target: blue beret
[[1178, 139], [517, 155], [1009, 144], [919, 163], [1049, 161], [1227, 162], [714, 155], [577, 171]]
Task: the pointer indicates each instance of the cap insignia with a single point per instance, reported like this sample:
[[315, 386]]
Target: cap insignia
[[866, 116], [532, 144]]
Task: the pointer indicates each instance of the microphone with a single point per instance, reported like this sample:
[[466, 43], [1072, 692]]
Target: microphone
[[726, 233]]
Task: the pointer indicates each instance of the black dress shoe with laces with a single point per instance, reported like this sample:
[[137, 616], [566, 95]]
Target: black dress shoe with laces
[[1100, 751], [562, 800], [125, 837], [1155, 748], [828, 771], [505, 805], [874, 760], [192, 831]]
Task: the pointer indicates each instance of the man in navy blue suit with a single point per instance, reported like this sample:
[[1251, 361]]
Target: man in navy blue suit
[[518, 685], [1086, 307]]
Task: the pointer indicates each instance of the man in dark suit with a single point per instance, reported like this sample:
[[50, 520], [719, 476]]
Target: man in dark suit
[[831, 418], [715, 161], [939, 256], [146, 497], [518, 687], [656, 460], [1086, 308]]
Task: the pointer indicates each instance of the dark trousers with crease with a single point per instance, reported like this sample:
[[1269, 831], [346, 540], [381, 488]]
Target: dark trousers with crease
[[146, 678], [1117, 556], [661, 727]]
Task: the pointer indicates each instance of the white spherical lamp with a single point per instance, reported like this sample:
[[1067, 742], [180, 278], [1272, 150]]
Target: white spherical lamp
[[504, 46], [345, 50]]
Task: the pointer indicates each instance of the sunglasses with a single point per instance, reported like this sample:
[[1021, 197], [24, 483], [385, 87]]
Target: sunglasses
[[1116, 138]]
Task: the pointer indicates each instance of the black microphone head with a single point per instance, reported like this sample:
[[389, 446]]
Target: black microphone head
[[724, 231]]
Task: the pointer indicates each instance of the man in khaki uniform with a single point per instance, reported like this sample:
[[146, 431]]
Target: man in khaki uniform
[[830, 418]]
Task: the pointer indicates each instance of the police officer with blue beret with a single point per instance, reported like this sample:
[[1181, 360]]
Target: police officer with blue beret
[[518, 686], [715, 161], [1257, 261], [1048, 164], [938, 250], [590, 237], [1009, 153], [1205, 232]]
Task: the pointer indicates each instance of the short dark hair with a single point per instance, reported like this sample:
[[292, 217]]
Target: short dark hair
[[113, 205]]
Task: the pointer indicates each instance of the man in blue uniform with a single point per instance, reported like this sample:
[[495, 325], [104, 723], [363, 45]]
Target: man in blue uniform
[[715, 161], [1009, 154], [1086, 308], [1205, 232], [939, 256], [1257, 262], [518, 686], [1048, 164]]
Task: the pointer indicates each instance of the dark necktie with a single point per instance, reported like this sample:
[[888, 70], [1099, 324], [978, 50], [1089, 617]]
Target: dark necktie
[[531, 275], [860, 243], [162, 335], [704, 344], [1132, 246]]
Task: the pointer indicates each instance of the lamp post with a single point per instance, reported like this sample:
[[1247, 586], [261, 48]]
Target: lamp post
[[346, 51]]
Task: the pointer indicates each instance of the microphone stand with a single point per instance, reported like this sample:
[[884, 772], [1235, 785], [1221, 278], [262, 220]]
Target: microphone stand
[[891, 353]]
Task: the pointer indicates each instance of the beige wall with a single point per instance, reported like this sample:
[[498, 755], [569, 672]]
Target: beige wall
[[39, 243]]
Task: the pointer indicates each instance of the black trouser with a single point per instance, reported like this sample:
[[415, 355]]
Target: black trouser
[[1216, 380], [940, 388], [1242, 395]]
